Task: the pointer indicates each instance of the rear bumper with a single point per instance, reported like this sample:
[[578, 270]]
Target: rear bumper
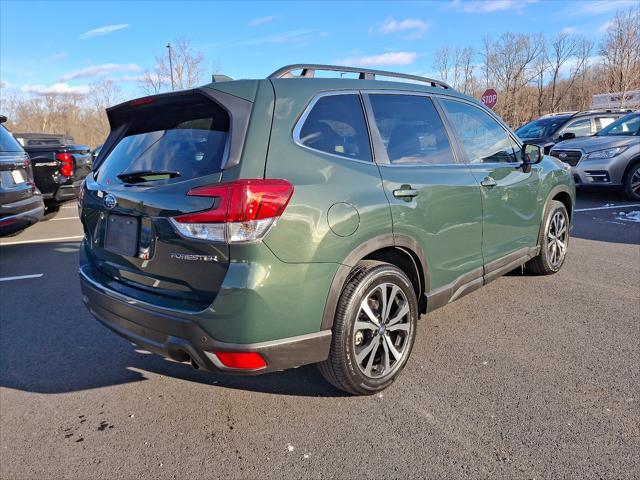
[[186, 341], [18, 215], [64, 192]]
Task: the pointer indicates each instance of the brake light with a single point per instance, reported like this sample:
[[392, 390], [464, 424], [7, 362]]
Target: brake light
[[242, 360], [142, 101], [66, 159], [243, 210]]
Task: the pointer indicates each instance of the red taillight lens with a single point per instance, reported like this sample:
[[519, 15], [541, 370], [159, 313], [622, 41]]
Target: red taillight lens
[[242, 201], [242, 360], [142, 101], [243, 210], [66, 169]]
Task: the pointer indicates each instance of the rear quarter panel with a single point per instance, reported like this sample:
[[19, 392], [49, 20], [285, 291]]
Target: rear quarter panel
[[354, 189]]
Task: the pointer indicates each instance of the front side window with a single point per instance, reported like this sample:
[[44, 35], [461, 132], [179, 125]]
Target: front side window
[[411, 130], [484, 140], [336, 125], [581, 128]]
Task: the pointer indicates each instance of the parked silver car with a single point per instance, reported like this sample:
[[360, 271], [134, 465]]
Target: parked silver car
[[610, 158]]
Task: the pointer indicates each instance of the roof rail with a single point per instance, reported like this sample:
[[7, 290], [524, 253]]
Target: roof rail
[[604, 110], [308, 71]]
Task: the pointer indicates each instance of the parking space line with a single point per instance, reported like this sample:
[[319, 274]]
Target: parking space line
[[613, 207], [68, 206], [21, 277], [64, 218], [42, 240]]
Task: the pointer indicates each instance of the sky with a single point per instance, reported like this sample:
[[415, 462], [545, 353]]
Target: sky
[[64, 46]]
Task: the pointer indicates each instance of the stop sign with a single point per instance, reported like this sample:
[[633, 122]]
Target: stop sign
[[490, 98]]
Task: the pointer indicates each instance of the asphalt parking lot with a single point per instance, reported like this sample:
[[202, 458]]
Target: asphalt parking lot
[[529, 377]]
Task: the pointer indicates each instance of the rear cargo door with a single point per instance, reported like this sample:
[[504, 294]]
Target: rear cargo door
[[16, 178], [158, 151]]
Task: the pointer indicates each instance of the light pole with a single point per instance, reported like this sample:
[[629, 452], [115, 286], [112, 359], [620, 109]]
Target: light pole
[[170, 66]]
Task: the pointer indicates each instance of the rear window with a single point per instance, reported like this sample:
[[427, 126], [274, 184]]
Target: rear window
[[336, 125], [189, 140], [7, 142]]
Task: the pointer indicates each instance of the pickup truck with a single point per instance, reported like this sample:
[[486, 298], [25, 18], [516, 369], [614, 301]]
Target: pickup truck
[[59, 166]]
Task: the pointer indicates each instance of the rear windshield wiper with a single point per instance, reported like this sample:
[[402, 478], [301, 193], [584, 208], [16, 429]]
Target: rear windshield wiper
[[146, 176]]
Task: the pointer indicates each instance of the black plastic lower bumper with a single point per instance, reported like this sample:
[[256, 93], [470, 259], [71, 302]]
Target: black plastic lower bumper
[[186, 341], [19, 215]]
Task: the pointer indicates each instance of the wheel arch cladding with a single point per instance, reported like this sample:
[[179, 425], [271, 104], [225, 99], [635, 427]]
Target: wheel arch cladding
[[565, 199], [403, 252]]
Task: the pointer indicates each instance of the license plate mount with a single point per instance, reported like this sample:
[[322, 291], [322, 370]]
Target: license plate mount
[[122, 235]]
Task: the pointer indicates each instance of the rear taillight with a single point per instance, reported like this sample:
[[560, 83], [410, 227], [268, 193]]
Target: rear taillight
[[243, 211], [66, 161]]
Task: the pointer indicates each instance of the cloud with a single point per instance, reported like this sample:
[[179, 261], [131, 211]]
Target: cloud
[[413, 27], [106, 30], [301, 35], [262, 20], [384, 59], [56, 57], [569, 30], [488, 6], [56, 89], [597, 7], [605, 26], [97, 70], [3, 84]]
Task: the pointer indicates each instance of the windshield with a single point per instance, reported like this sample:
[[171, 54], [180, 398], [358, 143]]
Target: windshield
[[188, 141], [7, 142], [543, 127], [628, 125]]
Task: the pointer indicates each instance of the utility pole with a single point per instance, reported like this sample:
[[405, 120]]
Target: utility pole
[[171, 66]]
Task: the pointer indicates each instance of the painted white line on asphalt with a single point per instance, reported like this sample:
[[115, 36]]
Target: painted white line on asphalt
[[64, 218], [21, 277], [607, 208], [41, 240], [73, 205]]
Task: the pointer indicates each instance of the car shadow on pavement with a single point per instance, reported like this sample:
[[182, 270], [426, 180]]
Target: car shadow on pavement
[[49, 343]]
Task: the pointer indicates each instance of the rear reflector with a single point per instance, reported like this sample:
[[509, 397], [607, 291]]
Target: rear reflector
[[242, 360], [66, 159], [243, 210]]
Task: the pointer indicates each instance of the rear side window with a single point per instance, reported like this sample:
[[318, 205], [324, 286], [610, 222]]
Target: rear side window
[[189, 140], [411, 130], [581, 128], [336, 125], [484, 140], [602, 122], [7, 142]]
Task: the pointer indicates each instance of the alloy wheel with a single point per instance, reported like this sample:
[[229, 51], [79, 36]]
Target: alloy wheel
[[382, 330], [557, 238], [635, 182]]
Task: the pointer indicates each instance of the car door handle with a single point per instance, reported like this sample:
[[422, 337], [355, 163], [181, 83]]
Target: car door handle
[[405, 192], [488, 182]]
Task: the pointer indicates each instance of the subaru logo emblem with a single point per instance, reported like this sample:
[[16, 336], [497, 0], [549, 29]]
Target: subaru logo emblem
[[110, 201], [562, 155]]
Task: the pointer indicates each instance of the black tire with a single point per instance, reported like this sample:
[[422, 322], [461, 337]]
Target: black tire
[[50, 210], [632, 182], [545, 263], [343, 369]]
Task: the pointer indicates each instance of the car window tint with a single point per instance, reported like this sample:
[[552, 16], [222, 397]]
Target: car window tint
[[581, 127], [190, 141], [7, 142], [336, 125], [411, 129], [484, 140]]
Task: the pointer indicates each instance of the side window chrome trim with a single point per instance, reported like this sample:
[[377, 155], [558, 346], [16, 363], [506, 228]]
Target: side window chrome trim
[[305, 113]]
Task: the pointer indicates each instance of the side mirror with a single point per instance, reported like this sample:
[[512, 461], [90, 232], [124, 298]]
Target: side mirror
[[531, 154], [568, 136]]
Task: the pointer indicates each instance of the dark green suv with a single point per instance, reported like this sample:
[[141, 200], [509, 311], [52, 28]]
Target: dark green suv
[[255, 225]]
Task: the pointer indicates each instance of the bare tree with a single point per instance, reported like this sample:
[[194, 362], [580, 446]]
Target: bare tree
[[540, 67], [442, 63], [463, 69], [620, 51], [187, 64]]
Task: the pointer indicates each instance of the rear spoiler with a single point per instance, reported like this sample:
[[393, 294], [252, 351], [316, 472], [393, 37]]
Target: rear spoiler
[[120, 116]]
